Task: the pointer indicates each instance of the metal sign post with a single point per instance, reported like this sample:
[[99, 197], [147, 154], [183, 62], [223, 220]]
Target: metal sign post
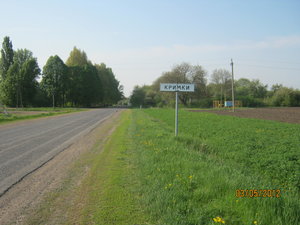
[[177, 88], [176, 114]]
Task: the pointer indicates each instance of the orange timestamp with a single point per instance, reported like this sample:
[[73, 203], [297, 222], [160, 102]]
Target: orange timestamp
[[254, 193]]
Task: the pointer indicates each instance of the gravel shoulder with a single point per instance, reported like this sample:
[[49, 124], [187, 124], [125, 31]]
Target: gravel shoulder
[[20, 202]]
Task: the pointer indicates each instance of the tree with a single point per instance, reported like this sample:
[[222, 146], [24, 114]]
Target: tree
[[182, 73], [55, 78], [20, 83], [85, 85], [84, 81], [77, 58], [221, 80], [91, 85], [257, 89], [137, 97], [29, 72], [251, 93], [286, 97], [276, 87], [242, 87], [112, 90], [253, 88], [7, 54], [198, 77]]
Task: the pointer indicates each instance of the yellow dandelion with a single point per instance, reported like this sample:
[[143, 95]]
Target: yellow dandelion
[[254, 222], [190, 177], [219, 220]]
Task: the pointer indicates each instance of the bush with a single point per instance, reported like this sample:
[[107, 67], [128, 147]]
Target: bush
[[249, 101], [286, 97]]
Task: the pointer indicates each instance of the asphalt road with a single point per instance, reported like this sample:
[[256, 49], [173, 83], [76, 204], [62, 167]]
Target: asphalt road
[[26, 147]]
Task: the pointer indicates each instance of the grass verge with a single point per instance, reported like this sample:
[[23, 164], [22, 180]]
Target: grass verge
[[100, 187], [16, 115], [111, 182]]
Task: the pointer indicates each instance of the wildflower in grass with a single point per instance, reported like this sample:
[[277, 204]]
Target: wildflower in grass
[[218, 220], [254, 222], [236, 201], [190, 177]]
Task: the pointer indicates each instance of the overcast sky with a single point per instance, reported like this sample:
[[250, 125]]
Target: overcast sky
[[140, 39]]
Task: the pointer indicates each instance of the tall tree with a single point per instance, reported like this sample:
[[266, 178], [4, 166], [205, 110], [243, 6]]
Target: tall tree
[[221, 79], [85, 84], [91, 94], [137, 97], [55, 78], [20, 83], [198, 77], [77, 58], [7, 54], [112, 90]]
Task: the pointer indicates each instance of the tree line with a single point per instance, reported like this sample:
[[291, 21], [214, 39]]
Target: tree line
[[252, 93], [77, 82]]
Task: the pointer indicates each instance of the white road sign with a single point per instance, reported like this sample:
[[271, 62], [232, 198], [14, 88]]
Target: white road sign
[[177, 87]]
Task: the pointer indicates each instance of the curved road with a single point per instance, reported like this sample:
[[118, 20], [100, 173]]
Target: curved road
[[26, 147]]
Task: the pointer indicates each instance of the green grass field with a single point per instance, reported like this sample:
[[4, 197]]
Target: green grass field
[[145, 175], [192, 179]]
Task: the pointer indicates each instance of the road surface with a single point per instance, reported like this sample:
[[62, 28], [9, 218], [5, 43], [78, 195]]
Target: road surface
[[27, 146]]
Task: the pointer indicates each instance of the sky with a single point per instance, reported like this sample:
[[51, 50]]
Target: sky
[[141, 39]]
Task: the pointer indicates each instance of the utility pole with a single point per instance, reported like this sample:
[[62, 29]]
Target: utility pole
[[232, 85], [176, 114]]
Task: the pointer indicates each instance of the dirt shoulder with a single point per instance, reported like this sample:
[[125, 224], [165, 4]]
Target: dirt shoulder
[[22, 200], [284, 114]]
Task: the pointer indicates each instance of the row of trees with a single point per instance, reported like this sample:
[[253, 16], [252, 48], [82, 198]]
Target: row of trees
[[75, 83], [252, 93]]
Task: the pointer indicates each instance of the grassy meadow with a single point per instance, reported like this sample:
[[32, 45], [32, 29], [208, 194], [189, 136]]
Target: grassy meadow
[[193, 178]]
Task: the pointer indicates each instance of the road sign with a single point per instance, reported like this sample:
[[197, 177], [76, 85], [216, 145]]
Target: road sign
[[177, 87]]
